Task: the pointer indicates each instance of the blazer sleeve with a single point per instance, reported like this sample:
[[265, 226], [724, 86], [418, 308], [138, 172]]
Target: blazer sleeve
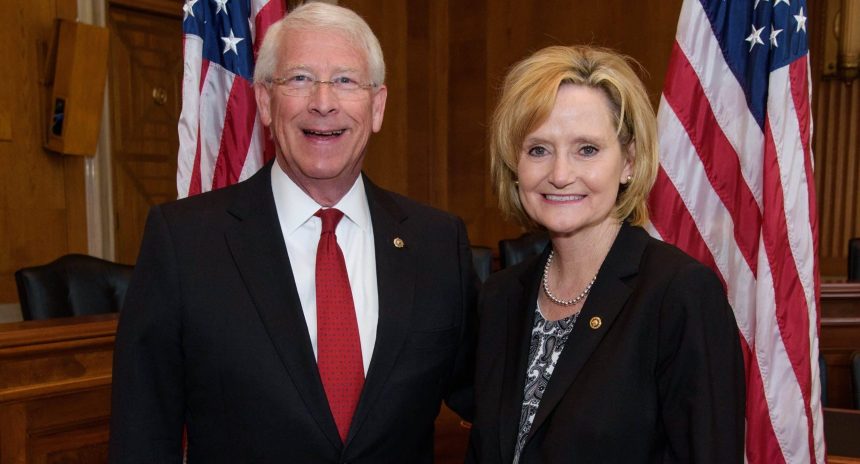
[[147, 398], [700, 371], [460, 397]]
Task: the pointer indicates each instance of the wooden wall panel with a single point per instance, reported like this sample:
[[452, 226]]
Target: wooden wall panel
[[836, 148], [42, 201], [387, 160], [409, 154], [837, 171]]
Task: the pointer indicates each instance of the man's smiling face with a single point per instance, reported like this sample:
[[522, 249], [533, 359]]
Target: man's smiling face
[[320, 138]]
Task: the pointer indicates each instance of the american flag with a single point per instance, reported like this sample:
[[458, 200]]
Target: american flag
[[735, 190], [221, 139]]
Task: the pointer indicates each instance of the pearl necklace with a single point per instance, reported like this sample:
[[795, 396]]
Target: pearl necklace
[[554, 298]]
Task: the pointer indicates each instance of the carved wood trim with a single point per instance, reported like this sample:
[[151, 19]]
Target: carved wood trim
[[163, 7]]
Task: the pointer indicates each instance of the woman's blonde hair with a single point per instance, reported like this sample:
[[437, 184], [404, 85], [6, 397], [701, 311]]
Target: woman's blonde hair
[[528, 97]]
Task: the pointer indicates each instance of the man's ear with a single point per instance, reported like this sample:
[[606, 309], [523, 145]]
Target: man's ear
[[379, 107], [261, 94]]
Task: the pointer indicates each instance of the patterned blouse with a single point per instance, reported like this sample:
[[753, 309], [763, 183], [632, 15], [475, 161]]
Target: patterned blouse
[[547, 342]]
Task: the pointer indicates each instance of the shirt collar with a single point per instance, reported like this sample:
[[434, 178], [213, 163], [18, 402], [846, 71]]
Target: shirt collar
[[295, 207]]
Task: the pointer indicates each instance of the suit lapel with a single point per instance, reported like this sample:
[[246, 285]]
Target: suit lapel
[[257, 246], [606, 301], [520, 308], [395, 277]]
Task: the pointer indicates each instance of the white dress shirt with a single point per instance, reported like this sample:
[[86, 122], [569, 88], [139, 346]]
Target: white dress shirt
[[301, 230]]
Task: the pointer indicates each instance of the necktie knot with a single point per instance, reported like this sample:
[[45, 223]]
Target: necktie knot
[[330, 218]]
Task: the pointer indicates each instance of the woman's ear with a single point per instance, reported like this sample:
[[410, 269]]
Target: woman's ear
[[630, 160]]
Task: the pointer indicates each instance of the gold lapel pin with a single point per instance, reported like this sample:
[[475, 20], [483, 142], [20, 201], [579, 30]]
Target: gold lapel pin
[[595, 323], [398, 242]]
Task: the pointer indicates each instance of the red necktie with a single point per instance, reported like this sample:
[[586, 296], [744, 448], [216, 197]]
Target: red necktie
[[338, 348]]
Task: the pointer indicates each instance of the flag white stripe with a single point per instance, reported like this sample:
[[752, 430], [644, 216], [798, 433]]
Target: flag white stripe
[[213, 110], [712, 219], [256, 6], [189, 118], [649, 227], [254, 160], [782, 392]]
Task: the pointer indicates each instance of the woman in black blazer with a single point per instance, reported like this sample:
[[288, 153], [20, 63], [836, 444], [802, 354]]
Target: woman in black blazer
[[611, 346]]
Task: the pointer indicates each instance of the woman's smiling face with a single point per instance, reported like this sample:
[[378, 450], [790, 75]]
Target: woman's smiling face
[[572, 165]]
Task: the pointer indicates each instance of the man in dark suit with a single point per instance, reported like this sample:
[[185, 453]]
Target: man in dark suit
[[304, 315]]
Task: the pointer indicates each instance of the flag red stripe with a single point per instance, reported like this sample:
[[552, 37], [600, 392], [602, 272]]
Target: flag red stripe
[[683, 232], [798, 72], [685, 95], [196, 184], [799, 76], [273, 11], [790, 301], [236, 138]]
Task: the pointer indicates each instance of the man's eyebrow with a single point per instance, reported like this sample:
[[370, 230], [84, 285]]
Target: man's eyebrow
[[298, 67], [304, 67]]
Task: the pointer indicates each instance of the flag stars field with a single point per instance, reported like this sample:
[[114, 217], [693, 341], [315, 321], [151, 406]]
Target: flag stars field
[[188, 8], [230, 42], [801, 20], [221, 140], [773, 35], [755, 37], [222, 6]]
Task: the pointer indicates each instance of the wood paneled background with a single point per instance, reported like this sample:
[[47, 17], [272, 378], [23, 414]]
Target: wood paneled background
[[42, 197], [445, 62]]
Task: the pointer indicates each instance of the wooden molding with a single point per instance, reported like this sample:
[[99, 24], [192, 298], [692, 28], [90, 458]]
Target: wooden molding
[[163, 7]]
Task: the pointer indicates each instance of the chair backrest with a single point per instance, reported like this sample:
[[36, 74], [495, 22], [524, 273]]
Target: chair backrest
[[516, 250], [72, 285], [822, 377], [482, 260], [855, 377], [854, 260]]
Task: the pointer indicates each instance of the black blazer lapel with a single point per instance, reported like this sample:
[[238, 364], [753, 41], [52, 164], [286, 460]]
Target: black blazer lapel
[[520, 308], [605, 302], [395, 277], [257, 245]]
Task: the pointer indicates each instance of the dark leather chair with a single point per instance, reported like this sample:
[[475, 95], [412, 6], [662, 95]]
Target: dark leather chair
[[72, 285], [822, 378], [516, 250], [482, 259], [855, 377], [854, 260]]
